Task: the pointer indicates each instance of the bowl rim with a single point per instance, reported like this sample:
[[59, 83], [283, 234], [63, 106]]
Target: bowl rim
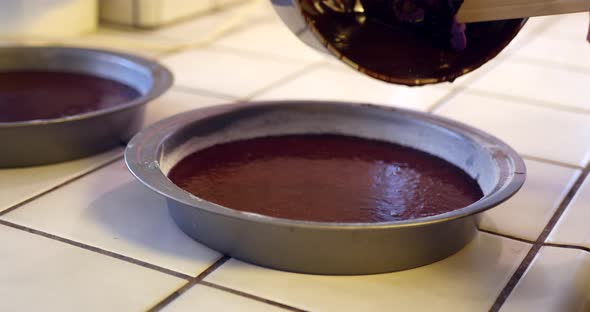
[[142, 160], [162, 80]]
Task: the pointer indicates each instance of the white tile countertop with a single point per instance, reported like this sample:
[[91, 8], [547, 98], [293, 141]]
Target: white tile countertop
[[85, 236]]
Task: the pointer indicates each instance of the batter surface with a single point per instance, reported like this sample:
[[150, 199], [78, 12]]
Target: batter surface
[[34, 95], [329, 178]]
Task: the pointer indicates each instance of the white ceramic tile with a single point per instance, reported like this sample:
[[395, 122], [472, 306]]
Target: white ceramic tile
[[271, 39], [537, 25], [467, 281], [470, 77], [265, 11], [534, 27], [575, 53], [558, 280], [228, 72], [572, 228], [20, 184], [170, 11], [534, 81], [526, 214], [126, 41], [571, 26], [177, 101], [204, 298], [110, 210], [195, 29], [532, 130], [342, 84], [225, 3], [218, 23], [40, 274]]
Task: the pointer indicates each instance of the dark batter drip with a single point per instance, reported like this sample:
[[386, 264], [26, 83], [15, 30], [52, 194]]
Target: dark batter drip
[[327, 178], [34, 95]]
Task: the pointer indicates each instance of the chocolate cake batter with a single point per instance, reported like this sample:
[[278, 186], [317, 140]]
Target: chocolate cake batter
[[423, 45], [33, 95], [327, 178]]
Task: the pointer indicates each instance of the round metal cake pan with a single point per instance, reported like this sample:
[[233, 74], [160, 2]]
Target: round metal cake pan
[[38, 142], [318, 247]]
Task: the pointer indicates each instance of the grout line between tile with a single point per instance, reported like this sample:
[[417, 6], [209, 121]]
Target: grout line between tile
[[75, 178], [96, 250], [192, 281], [586, 249], [276, 57], [249, 24], [501, 58], [155, 49], [478, 73], [249, 296], [221, 261], [447, 97], [551, 64], [564, 204], [173, 22], [535, 31], [278, 83], [519, 100], [551, 162], [135, 11], [522, 240], [466, 87], [540, 242], [187, 46], [474, 77], [204, 92], [565, 37], [515, 278]]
